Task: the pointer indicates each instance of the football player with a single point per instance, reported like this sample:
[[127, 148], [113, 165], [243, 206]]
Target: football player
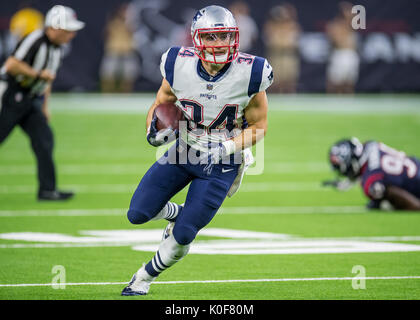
[[221, 91], [389, 177]]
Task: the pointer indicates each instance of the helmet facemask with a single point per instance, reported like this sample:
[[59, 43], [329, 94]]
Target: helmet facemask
[[345, 157], [216, 45]]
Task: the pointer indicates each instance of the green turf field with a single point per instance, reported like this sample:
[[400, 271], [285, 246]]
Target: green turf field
[[283, 236]]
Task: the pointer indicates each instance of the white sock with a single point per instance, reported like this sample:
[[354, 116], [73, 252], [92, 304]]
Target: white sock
[[169, 211], [169, 253]]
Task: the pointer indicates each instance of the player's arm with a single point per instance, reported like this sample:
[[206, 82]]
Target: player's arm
[[15, 67], [256, 111], [154, 137], [163, 95], [401, 199], [256, 116]]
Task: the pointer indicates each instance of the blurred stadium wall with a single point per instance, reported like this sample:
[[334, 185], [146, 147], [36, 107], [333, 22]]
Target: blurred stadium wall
[[389, 47]]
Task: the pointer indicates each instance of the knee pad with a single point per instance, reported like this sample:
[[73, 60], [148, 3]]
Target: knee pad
[[137, 217], [184, 234]]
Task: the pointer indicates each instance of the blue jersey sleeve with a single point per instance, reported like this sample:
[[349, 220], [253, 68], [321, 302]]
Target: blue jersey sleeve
[[167, 64], [261, 76]]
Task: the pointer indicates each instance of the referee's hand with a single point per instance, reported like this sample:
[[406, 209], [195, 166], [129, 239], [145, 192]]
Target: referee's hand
[[46, 75], [47, 114]]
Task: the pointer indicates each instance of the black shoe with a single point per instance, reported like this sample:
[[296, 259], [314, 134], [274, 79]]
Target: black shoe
[[54, 195]]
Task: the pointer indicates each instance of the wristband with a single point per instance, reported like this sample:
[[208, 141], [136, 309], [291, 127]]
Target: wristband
[[229, 146]]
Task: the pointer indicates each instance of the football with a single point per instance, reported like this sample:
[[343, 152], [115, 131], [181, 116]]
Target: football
[[168, 115]]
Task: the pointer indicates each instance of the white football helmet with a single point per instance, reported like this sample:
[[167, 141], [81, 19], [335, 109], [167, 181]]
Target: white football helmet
[[215, 28]]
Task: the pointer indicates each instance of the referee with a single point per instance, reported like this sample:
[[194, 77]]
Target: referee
[[25, 86]]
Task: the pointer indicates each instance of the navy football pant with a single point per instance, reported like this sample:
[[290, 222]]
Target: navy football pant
[[205, 195]]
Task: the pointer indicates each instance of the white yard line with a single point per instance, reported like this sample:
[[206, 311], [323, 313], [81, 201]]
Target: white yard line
[[129, 188], [63, 212], [214, 281], [308, 103], [223, 210], [302, 241], [136, 169], [65, 245], [294, 210], [78, 169]]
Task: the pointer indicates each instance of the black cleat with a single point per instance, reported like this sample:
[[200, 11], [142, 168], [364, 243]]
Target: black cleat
[[54, 195]]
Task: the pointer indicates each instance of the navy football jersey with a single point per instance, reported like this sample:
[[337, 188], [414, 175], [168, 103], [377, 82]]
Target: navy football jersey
[[386, 166]]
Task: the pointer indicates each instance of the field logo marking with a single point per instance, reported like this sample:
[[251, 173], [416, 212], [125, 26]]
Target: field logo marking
[[238, 242]]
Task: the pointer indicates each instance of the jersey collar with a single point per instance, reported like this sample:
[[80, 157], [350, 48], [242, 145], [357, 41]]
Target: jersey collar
[[206, 76]]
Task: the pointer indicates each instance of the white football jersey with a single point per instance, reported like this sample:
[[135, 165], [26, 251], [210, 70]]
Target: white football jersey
[[213, 106]]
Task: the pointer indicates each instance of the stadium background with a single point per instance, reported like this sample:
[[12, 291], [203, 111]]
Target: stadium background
[[389, 47]]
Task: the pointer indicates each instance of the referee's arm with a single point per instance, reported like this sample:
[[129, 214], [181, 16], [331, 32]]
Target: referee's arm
[[17, 62], [14, 67], [45, 109]]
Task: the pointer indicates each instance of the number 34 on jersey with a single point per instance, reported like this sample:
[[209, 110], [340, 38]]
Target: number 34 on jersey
[[214, 106]]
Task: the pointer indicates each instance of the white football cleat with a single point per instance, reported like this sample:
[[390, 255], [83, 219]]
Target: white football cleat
[[139, 284], [168, 230]]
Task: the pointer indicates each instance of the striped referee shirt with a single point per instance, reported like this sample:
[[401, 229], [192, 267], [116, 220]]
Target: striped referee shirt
[[40, 53]]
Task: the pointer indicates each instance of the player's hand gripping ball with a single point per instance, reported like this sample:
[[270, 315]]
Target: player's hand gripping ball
[[164, 127]]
